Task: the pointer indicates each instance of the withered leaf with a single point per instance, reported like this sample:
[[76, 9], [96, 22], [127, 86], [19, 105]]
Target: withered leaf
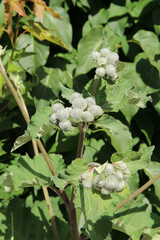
[[39, 31]]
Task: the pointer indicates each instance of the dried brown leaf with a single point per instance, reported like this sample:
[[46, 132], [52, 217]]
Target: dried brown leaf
[[18, 7], [39, 11], [9, 7], [44, 6], [8, 15]]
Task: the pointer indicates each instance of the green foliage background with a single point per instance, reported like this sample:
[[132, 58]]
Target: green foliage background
[[133, 29]]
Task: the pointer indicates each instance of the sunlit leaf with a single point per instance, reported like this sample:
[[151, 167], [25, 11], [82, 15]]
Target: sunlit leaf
[[40, 32]]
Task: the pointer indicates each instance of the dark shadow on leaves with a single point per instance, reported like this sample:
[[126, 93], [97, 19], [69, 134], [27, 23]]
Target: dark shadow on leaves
[[36, 174], [148, 73]]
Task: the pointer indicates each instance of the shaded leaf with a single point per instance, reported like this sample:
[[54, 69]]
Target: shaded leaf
[[151, 171], [38, 53], [19, 218], [100, 93], [21, 140], [148, 39]]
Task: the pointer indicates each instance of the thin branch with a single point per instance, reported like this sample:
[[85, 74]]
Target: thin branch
[[3, 72], [54, 228], [21, 104], [15, 39], [45, 155], [95, 86], [136, 193], [84, 237], [26, 116]]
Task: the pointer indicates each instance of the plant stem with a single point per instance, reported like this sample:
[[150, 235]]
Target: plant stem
[[45, 154], [136, 193], [15, 39], [3, 72], [20, 101], [54, 228], [95, 86], [73, 221], [84, 237], [71, 208], [26, 116], [82, 134]]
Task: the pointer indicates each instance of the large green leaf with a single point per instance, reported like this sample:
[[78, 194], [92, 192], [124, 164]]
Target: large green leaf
[[95, 211], [39, 124], [34, 172], [135, 160], [48, 87], [152, 170], [27, 219], [89, 43], [61, 27], [38, 53], [134, 217], [120, 136], [147, 40]]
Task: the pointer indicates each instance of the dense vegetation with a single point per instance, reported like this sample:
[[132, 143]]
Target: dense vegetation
[[48, 57]]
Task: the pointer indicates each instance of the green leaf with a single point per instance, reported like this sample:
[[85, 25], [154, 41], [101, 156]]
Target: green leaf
[[134, 217], [71, 174], [120, 136], [134, 160], [61, 27], [39, 124], [21, 140], [39, 31], [116, 10], [48, 87], [19, 218], [39, 53], [147, 40], [151, 171], [95, 210], [152, 233], [136, 8], [116, 94], [66, 92], [34, 172], [89, 43], [100, 93]]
